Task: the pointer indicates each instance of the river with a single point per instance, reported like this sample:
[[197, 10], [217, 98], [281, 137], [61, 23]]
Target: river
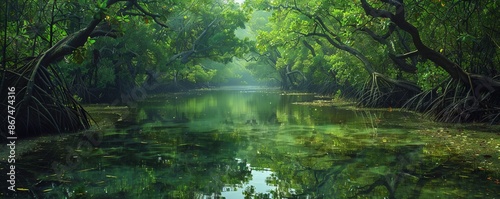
[[251, 142]]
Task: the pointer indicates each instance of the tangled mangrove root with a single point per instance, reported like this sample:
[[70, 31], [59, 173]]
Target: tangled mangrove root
[[381, 91], [43, 104], [452, 102]]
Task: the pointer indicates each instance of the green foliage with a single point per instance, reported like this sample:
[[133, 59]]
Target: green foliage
[[106, 75], [429, 76], [271, 33], [290, 26], [199, 74], [140, 45]]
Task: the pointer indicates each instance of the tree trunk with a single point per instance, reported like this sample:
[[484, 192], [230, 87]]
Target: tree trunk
[[468, 97], [473, 81], [43, 103]]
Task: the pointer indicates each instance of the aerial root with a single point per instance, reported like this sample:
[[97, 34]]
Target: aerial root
[[381, 91], [43, 103]]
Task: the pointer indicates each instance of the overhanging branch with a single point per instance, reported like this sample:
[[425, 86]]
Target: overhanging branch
[[380, 38], [408, 54]]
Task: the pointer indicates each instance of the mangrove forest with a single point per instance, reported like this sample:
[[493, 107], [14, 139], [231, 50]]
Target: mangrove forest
[[250, 99]]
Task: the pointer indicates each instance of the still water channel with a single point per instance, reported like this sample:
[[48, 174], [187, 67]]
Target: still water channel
[[260, 143]]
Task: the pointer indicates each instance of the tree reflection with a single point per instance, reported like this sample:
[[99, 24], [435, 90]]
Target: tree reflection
[[295, 151]]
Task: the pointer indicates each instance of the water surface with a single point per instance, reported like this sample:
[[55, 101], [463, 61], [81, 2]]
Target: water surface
[[260, 143]]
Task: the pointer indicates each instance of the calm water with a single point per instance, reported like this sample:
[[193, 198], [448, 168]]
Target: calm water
[[258, 143]]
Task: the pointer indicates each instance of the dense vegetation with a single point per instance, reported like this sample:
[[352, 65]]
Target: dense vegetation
[[439, 57]]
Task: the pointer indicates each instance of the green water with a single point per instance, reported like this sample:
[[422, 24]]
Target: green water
[[259, 143]]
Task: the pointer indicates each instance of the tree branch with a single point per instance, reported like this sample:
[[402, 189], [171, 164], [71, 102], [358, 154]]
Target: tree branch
[[186, 54], [341, 46], [154, 16], [380, 38], [408, 54], [104, 30], [399, 19], [308, 46]]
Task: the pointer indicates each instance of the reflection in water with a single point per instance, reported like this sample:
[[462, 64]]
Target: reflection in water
[[257, 184], [259, 144]]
